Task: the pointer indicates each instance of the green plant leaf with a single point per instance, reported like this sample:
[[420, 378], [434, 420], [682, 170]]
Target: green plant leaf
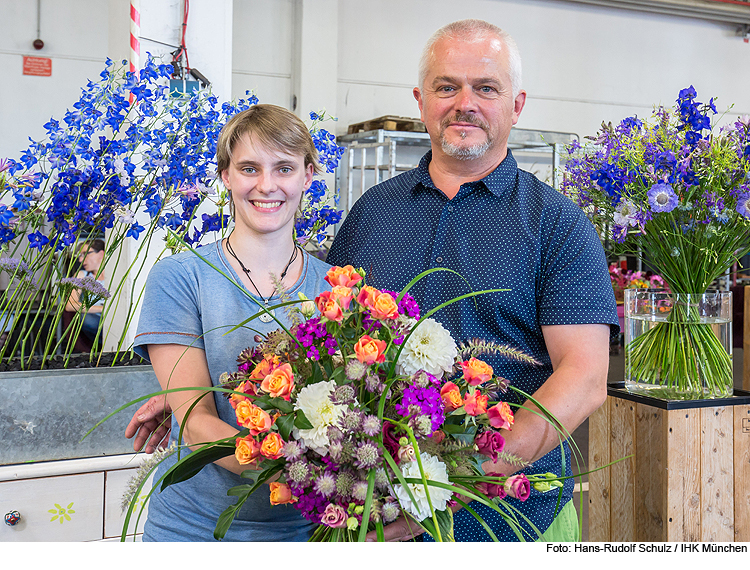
[[445, 522]]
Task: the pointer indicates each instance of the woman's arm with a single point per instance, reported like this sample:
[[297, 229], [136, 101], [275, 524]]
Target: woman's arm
[[177, 366]]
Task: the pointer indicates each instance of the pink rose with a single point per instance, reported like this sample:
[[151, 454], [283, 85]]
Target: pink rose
[[501, 416], [492, 490], [475, 403], [518, 486], [390, 439], [334, 516], [490, 443]]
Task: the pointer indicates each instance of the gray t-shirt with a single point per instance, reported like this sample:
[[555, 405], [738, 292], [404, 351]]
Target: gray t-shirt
[[190, 303]]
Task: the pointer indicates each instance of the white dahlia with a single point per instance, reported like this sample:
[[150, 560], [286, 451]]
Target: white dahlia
[[315, 402], [434, 470], [430, 348]]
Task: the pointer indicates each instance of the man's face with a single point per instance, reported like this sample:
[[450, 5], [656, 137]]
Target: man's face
[[467, 101]]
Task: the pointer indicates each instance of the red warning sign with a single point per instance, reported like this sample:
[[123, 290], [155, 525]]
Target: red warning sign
[[37, 66]]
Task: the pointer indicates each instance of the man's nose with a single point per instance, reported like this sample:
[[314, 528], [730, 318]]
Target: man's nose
[[466, 100]]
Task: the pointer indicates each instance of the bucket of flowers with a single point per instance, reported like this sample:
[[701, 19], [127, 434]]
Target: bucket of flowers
[[365, 410], [675, 191], [141, 176]]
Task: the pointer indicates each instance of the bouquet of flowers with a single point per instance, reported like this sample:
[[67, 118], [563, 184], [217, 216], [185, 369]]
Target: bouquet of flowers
[[364, 410], [130, 171], [622, 280], [676, 192]]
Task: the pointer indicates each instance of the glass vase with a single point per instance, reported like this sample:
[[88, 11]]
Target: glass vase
[[678, 346]]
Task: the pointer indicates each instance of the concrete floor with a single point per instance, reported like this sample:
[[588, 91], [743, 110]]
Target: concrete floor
[[581, 435]]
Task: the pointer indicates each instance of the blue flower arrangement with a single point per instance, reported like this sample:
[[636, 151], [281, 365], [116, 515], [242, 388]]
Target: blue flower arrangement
[[675, 191], [128, 160]]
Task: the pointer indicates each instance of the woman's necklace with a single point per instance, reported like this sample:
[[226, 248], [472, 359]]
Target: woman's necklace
[[266, 317]]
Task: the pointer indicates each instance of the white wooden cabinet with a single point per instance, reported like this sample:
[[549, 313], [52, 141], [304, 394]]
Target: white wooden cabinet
[[73, 501]]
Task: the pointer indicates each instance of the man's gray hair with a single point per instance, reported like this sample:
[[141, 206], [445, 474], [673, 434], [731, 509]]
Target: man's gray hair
[[473, 29]]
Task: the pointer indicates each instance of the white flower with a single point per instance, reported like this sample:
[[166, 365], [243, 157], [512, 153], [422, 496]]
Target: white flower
[[125, 216], [429, 348], [315, 402], [625, 214], [434, 470]]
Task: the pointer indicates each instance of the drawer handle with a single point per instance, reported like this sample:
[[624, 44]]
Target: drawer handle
[[12, 518]]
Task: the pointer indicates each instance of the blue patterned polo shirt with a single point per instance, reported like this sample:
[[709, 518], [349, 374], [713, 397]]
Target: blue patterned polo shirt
[[506, 231]]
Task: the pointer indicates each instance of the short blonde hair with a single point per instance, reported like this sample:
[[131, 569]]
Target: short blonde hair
[[473, 29], [270, 126]]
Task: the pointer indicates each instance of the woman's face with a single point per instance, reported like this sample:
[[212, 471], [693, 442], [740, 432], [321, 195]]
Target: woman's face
[[90, 260], [267, 187]]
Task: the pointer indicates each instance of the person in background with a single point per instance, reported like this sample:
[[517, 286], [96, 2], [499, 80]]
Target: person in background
[[266, 159], [91, 258]]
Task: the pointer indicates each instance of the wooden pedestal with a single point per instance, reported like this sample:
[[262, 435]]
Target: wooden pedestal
[[688, 477]]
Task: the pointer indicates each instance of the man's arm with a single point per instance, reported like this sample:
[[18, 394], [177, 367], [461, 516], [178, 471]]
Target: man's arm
[[151, 425], [576, 388]]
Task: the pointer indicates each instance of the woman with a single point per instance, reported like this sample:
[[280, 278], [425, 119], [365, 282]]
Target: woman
[[91, 258], [266, 159]]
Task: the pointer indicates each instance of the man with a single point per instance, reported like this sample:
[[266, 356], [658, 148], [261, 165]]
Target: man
[[467, 207]]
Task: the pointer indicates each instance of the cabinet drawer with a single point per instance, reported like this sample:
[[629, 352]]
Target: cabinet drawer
[[64, 508], [116, 483]]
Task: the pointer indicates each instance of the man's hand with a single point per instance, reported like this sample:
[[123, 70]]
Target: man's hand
[[401, 529], [151, 424]]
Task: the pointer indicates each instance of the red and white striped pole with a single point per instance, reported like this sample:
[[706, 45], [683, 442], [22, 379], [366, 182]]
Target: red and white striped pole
[[135, 35]]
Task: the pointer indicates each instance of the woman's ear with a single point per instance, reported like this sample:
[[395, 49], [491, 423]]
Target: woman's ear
[[309, 175]]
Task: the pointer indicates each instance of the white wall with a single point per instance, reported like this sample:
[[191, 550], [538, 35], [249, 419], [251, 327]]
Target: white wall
[[582, 64]]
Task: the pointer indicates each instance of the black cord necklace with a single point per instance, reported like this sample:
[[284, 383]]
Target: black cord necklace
[[268, 316]]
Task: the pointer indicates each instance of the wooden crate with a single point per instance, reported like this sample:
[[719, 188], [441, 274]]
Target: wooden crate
[[687, 472], [389, 123]]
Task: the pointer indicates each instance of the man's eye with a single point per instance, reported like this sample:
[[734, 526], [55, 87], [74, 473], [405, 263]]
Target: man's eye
[[446, 89], [487, 89], [248, 170], [285, 169]]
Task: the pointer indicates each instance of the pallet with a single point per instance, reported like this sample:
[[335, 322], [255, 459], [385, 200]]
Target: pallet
[[389, 123]]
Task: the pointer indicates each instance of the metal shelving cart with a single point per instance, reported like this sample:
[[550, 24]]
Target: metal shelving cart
[[376, 155]]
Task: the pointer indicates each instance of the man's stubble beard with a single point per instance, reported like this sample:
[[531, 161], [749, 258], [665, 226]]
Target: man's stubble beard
[[465, 152]]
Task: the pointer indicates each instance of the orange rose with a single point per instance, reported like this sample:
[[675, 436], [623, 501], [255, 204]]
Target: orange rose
[[369, 350], [501, 416], [271, 446], [281, 494], [253, 418], [247, 450], [451, 397], [342, 295], [242, 410], [265, 367], [328, 307], [385, 307], [345, 276], [475, 403], [246, 388], [279, 383], [367, 296], [476, 371]]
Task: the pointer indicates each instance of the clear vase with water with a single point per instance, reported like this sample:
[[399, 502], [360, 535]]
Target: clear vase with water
[[678, 346]]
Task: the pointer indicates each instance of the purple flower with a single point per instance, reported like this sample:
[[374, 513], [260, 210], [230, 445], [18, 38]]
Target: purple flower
[[662, 198], [427, 400], [743, 204]]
